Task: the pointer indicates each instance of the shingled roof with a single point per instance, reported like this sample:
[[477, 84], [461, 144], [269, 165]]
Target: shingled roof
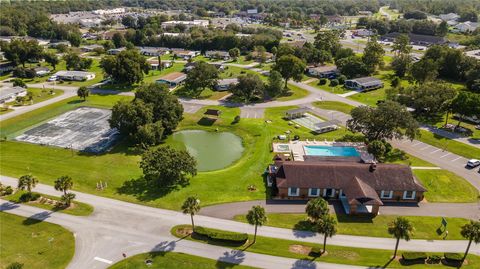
[[339, 175]]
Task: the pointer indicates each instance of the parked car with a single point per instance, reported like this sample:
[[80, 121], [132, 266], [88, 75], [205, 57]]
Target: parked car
[[53, 78], [473, 163]]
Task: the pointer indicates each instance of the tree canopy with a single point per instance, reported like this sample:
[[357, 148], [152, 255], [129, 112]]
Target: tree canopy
[[126, 67], [290, 66], [387, 121], [203, 75]]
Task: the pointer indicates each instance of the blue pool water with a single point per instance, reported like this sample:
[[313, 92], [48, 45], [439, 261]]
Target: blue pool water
[[331, 151]]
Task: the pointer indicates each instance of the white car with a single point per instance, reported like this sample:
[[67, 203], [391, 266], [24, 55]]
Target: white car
[[473, 163], [53, 78]]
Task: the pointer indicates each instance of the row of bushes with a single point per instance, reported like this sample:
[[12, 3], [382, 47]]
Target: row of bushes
[[224, 236], [422, 256]]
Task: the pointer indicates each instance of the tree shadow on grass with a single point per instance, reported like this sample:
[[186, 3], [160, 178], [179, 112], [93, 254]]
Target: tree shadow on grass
[[304, 264], [144, 190], [37, 218], [161, 248], [206, 121], [76, 101], [230, 259]]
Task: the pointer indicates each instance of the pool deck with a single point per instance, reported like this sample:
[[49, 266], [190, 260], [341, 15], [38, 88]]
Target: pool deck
[[296, 148]]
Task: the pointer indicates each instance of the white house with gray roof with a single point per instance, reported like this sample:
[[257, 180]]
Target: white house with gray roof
[[8, 94]]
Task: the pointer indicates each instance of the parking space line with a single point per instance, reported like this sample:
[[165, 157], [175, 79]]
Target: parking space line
[[456, 159], [425, 147], [437, 150], [445, 155], [103, 260], [416, 144]]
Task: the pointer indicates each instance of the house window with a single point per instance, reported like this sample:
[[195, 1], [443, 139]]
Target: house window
[[329, 192], [293, 191], [313, 192], [409, 195], [386, 195]]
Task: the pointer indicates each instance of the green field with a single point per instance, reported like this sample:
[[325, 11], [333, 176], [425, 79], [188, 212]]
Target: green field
[[337, 89], [161, 260], [76, 209], [335, 254], [34, 243], [124, 182], [444, 186], [425, 227], [334, 105]]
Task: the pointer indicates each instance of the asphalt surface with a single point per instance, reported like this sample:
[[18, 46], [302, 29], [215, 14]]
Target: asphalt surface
[[118, 227]]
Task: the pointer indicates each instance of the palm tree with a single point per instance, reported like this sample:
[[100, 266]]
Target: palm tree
[[191, 206], [400, 228], [326, 226], [256, 216], [83, 92], [471, 231], [67, 198], [27, 182], [64, 183], [316, 209]]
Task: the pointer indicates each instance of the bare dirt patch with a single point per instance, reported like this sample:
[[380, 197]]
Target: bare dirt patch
[[184, 231], [305, 250]]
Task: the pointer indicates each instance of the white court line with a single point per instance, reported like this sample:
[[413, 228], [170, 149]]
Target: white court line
[[445, 155], [425, 147], [417, 144], [437, 150], [103, 260], [456, 159]]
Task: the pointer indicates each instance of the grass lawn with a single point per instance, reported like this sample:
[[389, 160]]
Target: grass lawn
[[425, 227], [241, 60], [5, 110], [369, 98], [161, 260], [445, 186], [335, 254], [412, 161], [76, 209], [205, 94], [156, 74], [122, 163], [447, 144], [34, 243], [235, 71], [334, 105], [295, 92], [40, 95]]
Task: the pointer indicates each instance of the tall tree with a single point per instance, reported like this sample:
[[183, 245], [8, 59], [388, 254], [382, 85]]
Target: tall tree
[[126, 67], [400, 228], [424, 70], [83, 92], [401, 45], [275, 84], [466, 105], [401, 64], [256, 216], [202, 76], [248, 87], [63, 183], [27, 182], [289, 67], [327, 226], [373, 55], [387, 121], [234, 53], [191, 206], [352, 67], [52, 59], [19, 51], [328, 41], [316, 209], [471, 232], [167, 166]]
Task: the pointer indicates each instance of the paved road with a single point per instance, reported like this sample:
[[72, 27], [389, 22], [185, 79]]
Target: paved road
[[457, 210], [68, 91], [118, 227]]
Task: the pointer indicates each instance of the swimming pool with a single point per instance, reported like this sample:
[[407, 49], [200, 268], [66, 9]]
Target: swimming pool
[[331, 151]]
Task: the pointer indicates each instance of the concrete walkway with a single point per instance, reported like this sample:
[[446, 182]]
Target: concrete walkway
[[457, 210], [118, 227]]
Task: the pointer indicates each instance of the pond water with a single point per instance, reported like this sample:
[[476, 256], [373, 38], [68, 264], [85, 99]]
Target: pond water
[[213, 150]]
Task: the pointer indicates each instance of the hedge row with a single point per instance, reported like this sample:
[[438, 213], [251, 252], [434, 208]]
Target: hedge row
[[221, 235], [412, 256], [453, 257], [417, 256]]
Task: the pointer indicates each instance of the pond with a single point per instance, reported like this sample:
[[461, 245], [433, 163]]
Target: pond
[[212, 150]]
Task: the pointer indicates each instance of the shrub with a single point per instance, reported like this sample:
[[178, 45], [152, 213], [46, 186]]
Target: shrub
[[453, 257], [434, 259], [236, 119], [18, 82], [29, 196], [5, 190], [222, 235], [322, 81], [341, 79], [15, 265], [333, 82], [412, 256], [315, 252]]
